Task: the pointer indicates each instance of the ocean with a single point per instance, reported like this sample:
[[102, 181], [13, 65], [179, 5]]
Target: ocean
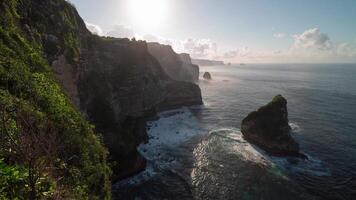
[[198, 152]]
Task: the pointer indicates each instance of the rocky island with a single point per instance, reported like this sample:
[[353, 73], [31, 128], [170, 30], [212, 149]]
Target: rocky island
[[207, 76], [268, 128]]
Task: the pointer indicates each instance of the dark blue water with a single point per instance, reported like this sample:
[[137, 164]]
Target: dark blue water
[[217, 163]]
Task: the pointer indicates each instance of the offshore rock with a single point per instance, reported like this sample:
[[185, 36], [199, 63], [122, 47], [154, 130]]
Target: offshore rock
[[268, 128], [207, 76]]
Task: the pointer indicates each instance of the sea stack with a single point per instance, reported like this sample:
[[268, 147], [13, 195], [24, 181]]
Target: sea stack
[[207, 76], [268, 128]]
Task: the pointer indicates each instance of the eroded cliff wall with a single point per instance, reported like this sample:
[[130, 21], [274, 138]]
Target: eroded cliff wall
[[178, 67], [116, 83], [121, 83]]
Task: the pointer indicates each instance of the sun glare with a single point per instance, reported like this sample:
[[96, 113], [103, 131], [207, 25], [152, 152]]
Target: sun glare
[[148, 14]]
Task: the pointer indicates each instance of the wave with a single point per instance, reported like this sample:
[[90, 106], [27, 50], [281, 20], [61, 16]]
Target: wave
[[290, 165], [171, 129], [295, 127]]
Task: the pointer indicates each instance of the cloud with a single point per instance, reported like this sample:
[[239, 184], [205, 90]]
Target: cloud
[[238, 53], [200, 48], [154, 38], [231, 54], [95, 29], [120, 31], [312, 39], [346, 50], [279, 35], [311, 45]]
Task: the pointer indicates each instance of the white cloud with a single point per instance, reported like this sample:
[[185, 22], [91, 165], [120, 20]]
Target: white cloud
[[95, 29], [231, 54], [120, 31], [238, 53], [159, 39], [346, 50], [200, 48], [279, 35], [312, 45], [312, 39]]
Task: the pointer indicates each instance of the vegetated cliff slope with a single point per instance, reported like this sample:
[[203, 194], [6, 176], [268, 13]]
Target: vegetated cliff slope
[[47, 149], [52, 64], [178, 67]]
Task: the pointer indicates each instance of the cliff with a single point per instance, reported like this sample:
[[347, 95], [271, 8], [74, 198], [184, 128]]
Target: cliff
[[51, 63], [120, 83], [205, 62], [47, 148], [178, 67], [184, 57]]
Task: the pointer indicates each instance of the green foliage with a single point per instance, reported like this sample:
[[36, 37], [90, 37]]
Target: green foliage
[[12, 181], [278, 98], [28, 84]]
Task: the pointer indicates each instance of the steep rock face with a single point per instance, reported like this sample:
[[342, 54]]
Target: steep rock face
[[120, 84], [184, 57], [269, 129], [116, 83], [177, 67]]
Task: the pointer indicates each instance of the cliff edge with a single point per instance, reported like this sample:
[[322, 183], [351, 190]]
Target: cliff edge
[[178, 66]]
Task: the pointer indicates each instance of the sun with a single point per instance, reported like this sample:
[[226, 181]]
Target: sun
[[148, 14]]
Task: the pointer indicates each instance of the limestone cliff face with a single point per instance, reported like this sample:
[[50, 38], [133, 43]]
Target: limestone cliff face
[[116, 83], [178, 67], [185, 58], [120, 84]]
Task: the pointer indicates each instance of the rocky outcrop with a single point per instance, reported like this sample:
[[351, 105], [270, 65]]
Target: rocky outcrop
[[268, 128], [178, 67], [207, 76]]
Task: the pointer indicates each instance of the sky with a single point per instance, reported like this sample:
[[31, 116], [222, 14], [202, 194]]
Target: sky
[[238, 31]]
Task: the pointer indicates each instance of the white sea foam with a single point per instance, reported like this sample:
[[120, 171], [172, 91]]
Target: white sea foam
[[244, 149], [172, 129], [295, 127], [252, 153], [310, 166]]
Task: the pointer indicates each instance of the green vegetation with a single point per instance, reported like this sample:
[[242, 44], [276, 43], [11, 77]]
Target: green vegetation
[[278, 98], [47, 149]]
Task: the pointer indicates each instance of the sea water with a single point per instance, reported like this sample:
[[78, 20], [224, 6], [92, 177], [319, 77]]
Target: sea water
[[199, 152]]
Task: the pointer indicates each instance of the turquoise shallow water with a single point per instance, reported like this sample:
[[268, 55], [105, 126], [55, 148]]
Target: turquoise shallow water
[[211, 161]]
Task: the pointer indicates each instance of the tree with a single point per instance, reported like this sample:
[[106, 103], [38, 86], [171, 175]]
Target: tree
[[30, 140]]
